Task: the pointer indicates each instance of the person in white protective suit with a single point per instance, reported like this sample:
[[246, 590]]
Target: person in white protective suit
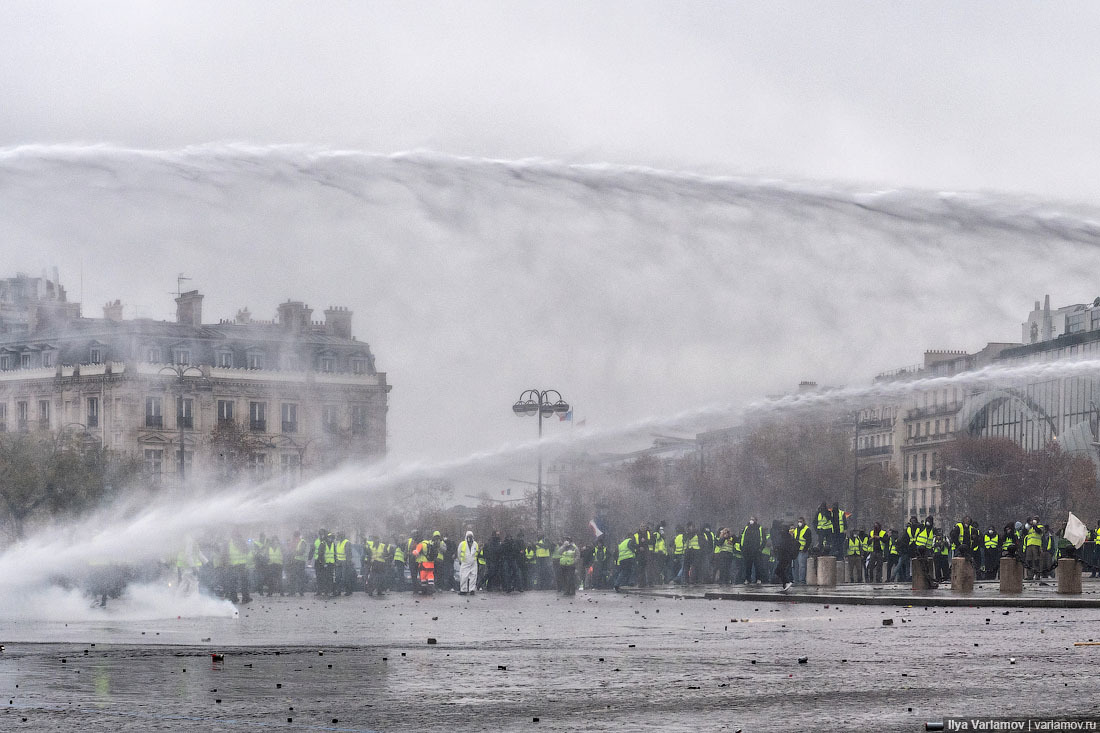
[[467, 565]]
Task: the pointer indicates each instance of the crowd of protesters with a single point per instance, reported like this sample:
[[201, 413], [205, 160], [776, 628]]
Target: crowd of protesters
[[333, 565]]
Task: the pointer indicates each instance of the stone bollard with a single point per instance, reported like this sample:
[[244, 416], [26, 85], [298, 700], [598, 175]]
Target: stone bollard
[[826, 571], [922, 573], [1012, 575], [811, 570], [962, 575], [1068, 576]]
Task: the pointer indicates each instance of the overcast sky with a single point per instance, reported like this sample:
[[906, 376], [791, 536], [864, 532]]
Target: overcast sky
[[458, 273]]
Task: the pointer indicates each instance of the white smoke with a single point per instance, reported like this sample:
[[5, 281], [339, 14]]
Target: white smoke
[[633, 291]]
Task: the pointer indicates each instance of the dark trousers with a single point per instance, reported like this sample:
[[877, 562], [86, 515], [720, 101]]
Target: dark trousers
[[725, 567], [567, 575], [691, 565], [325, 578], [378, 579], [626, 570], [296, 577], [237, 577], [273, 578], [755, 567], [874, 566]]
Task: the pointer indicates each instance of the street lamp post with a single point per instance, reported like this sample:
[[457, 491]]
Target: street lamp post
[[543, 404], [181, 371]]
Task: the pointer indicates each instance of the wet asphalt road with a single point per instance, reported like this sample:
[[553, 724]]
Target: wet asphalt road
[[599, 661]]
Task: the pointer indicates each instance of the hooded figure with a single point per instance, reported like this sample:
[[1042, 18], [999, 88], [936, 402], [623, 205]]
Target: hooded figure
[[467, 565]]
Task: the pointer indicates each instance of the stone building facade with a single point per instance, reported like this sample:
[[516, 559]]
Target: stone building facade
[[286, 396]]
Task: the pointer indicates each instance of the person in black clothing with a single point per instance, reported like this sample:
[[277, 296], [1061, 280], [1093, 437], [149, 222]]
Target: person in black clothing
[[493, 563], [752, 546], [785, 548]]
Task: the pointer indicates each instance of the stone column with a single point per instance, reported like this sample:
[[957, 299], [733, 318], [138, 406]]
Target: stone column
[[962, 575], [811, 570], [922, 573], [1068, 576], [1012, 575], [826, 571]]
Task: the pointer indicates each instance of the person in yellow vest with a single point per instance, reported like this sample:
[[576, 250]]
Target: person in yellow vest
[[991, 554], [801, 532], [529, 570], [692, 572], [543, 581], [878, 547], [1033, 548], [397, 552], [273, 582], [679, 546], [625, 561], [381, 563], [483, 567], [567, 562], [723, 554], [941, 548], [823, 529], [321, 570], [296, 567], [660, 555], [1092, 558], [343, 569], [855, 557], [424, 553], [600, 558], [238, 558]]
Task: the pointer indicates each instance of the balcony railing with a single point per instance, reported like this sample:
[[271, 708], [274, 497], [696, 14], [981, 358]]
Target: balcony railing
[[3, 427], [23, 426], [154, 421], [290, 426], [947, 408], [185, 421], [93, 421], [880, 424], [257, 426], [878, 450], [225, 422]]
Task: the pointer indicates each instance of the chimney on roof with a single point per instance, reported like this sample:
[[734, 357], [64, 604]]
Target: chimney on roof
[[189, 308], [113, 311], [1048, 320], [338, 322], [295, 316]]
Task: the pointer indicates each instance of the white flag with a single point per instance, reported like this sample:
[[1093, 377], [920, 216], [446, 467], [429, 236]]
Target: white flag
[[1076, 532]]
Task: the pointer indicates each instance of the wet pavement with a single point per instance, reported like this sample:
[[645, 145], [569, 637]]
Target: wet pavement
[[599, 661], [1037, 594]]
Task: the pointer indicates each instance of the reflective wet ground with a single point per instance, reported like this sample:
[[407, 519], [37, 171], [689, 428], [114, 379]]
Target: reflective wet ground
[[599, 661]]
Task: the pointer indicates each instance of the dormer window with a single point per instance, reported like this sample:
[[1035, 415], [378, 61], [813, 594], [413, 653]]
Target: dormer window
[[5, 361], [359, 366], [47, 358], [152, 355], [25, 361], [328, 364], [255, 360], [225, 359], [95, 355], [182, 356]]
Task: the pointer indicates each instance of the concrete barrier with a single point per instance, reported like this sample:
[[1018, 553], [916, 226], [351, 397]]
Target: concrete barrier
[[923, 573], [1012, 575], [962, 575], [826, 571], [811, 570], [1068, 576]]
